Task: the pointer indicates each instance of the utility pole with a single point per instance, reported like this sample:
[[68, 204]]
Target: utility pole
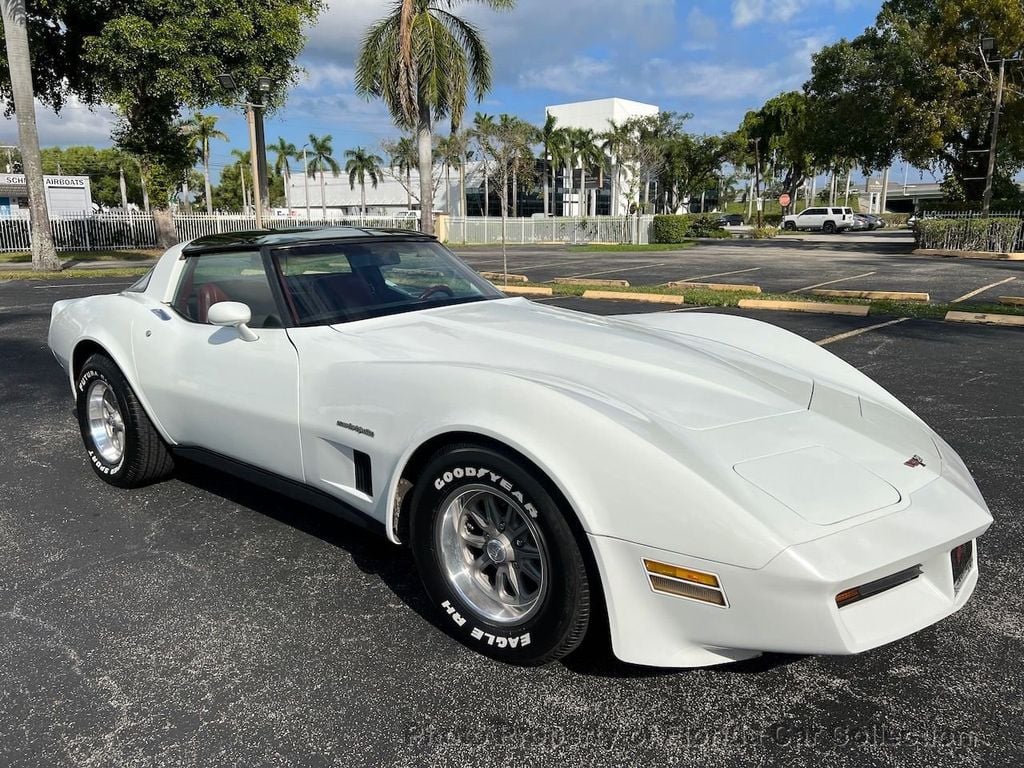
[[990, 173], [757, 179], [257, 199]]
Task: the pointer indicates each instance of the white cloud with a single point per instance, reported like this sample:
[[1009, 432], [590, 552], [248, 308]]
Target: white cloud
[[76, 124], [575, 77], [702, 30], [322, 74]]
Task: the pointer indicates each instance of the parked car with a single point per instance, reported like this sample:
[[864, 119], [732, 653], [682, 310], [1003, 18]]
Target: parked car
[[712, 486], [731, 220], [828, 219], [867, 221]]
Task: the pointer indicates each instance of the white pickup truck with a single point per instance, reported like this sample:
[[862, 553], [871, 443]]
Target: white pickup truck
[[828, 220]]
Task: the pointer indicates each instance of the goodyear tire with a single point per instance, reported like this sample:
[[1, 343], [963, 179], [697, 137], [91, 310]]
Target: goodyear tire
[[123, 446], [498, 557]]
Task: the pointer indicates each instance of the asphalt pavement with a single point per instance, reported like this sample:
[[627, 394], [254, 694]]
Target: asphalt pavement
[[206, 622]]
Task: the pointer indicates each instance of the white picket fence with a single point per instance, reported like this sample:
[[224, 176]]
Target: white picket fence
[[137, 230], [112, 231], [575, 231]]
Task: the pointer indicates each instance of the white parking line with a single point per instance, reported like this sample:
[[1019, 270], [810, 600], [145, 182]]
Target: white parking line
[[984, 288], [850, 334], [127, 281], [716, 274], [619, 269], [829, 282]]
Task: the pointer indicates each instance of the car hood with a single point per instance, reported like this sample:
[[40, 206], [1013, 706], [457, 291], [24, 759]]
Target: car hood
[[687, 381]]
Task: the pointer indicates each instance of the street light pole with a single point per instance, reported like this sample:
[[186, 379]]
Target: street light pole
[[757, 179], [990, 173], [257, 197]]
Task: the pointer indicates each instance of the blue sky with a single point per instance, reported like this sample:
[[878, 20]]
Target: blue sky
[[713, 58]]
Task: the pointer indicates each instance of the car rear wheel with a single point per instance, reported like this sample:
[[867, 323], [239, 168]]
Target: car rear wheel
[[498, 557], [123, 446], [829, 228]]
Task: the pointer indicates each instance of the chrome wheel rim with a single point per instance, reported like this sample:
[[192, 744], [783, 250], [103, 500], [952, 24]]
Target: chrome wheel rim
[[493, 554], [106, 425]]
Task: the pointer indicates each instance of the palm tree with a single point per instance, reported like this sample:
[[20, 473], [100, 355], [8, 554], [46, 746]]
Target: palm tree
[[403, 159], [584, 153], [244, 159], [44, 252], [360, 165], [321, 150], [482, 130], [614, 141], [422, 59], [284, 151], [452, 151], [201, 130], [551, 138]]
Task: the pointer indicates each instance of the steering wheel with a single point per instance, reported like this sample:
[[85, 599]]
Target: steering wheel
[[439, 288]]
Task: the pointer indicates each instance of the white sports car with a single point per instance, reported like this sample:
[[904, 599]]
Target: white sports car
[[705, 487]]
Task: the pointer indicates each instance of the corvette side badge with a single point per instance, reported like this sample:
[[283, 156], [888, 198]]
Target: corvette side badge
[[915, 461]]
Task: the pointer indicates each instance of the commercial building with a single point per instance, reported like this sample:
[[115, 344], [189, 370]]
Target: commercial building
[[64, 195]]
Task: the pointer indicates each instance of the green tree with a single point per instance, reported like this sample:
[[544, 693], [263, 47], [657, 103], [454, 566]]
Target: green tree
[[422, 60], [321, 160], [19, 76], [451, 149], [583, 152], [201, 130], [284, 151], [150, 59], [916, 85], [360, 165], [552, 141], [481, 132], [102, 166], [403, 157], [508, 152]]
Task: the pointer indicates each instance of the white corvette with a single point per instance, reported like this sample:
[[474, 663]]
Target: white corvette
[[704, 487]]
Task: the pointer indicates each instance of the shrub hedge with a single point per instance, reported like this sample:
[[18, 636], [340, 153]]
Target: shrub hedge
[[895, 219], [1001, 235], [675, 228]]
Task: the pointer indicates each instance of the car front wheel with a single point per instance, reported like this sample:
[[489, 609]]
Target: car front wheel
[[123, 446], [829, 228], [498, 557], [790, 226]]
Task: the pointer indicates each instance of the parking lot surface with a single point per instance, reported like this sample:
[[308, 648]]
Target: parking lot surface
[[206, 622], [875, 261]]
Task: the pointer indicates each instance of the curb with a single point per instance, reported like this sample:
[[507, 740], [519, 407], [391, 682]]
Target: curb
[[591, 281], [739, 287], [525, 290], [1013, 301], [503, 277], [985, 319], [874, 295], [651, 298], [855, 310], [948, 253]]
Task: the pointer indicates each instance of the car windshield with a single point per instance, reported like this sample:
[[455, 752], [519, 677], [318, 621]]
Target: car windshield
[[338, 282]]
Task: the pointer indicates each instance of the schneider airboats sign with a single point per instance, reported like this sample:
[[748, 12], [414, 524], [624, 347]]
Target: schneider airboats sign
[[53, 182]]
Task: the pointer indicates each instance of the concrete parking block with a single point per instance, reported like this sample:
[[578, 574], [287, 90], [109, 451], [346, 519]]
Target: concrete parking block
[[1015, 301], [873, 295], [525, 290], [985, 318], [652, 298], [592, 281], [504, 277], [969, 254], [854, 310], [738, 287]]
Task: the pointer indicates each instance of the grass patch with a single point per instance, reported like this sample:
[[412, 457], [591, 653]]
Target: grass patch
[[68, 274], [78, 256], [705, 298], [628, 248]]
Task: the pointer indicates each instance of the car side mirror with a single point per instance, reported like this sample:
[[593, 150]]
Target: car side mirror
[[234, 314]]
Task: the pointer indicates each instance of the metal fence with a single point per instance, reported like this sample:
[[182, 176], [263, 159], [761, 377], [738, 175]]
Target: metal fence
[[971, 215], [112, 231], [84, 232], [597, 229]]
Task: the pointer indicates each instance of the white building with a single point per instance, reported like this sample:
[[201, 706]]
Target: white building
[[597, 115], [64, 194]]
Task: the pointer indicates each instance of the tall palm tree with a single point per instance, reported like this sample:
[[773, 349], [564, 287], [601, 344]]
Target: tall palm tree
[[321, 160], [244, 159], [585, 154], [550, 137], [283, 152], [522, 135], [422, 60], [360, 165], [450, 149], [482, 130], [614, 141], [44, 252], [403, 158], [202, 129]]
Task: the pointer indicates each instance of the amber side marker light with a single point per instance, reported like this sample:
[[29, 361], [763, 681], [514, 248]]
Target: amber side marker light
[[685, 582], [855, 594]]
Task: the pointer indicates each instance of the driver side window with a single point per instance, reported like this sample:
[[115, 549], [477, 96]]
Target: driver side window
[[212, 278]]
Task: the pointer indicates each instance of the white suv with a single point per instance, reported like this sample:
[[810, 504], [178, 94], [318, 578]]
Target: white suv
[[828, 220]]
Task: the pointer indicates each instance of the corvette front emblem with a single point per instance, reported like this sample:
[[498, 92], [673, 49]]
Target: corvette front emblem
[[915, 461]]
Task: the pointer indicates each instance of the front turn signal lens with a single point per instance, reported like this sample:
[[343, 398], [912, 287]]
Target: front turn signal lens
[[685, 582]]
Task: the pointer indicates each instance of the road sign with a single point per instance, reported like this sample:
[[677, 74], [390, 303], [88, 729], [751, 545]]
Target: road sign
[[784, 200], [760, 203]]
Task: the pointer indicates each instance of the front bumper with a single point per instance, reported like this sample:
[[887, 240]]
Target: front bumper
[[789, 606]]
